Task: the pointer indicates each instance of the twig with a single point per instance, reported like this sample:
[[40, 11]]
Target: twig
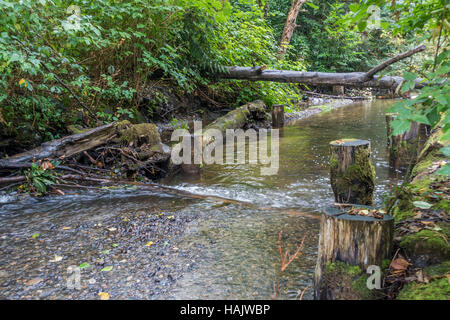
[[303, 292]]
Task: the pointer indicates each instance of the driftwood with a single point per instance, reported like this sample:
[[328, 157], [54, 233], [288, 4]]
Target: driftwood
[[117, 148], [350, 79], [62, 148]]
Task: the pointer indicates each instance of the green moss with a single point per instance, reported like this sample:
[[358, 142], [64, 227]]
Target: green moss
[[443, 204], [423, 165], [435, 290], [139, 134], [342, 267], [385, 264], [347, 282], [438, 269], [427, 242], [360, 286], [358, 180]]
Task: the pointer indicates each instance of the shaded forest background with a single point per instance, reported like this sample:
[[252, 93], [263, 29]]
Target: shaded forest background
[[94, 62]]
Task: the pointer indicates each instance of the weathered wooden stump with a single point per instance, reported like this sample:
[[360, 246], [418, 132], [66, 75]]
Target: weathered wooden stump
[[278, 116], [338, 90], [192, 168], [352, 174], [404, 148], [352, 241]]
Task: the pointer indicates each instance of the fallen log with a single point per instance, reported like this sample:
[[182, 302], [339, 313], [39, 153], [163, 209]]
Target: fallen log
[[62, 148], [351, 79], [238, 118]]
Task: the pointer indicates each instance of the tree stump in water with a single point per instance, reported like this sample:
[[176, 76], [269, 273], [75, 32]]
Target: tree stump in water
[[193, 168], [278, 116], [348, 244], [404, 148], [338, 90], [352, 174]]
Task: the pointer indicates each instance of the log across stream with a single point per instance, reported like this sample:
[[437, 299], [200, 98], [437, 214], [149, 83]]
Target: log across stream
[[199, 248]]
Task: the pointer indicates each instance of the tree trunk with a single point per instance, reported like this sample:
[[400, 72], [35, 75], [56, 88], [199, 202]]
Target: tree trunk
[[348, 79], [405, 147], [354, 240], [289, 27], [352, 175]]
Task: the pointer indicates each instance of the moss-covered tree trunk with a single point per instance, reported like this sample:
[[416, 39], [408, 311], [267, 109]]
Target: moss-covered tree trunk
[[235, 119], [404, 148], [352, 174], [353, 241]]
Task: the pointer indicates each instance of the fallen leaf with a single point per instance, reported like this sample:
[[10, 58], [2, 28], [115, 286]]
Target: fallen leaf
[[399, 264], [35, 235], [84, 265], [422, 204], [149, 244], [103, 295], [67, 228], [109, 268], [47, 165], [23, 82], [56, 259], [60, 192], [34, 281]]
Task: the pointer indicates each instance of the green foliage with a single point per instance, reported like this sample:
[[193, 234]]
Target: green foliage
[[428, 21], [39, 179], [178, 124]]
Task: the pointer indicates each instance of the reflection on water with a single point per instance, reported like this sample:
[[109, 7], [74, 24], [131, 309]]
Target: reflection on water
[[237, 246]]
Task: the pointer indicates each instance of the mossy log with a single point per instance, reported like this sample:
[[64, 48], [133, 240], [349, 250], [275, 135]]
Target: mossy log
[[278, 116], [357, 241], [404, 148], [122, 132], [352, 174], [65, 147], [235, 119]]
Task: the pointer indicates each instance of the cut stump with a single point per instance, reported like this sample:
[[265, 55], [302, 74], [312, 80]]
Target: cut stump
[[404, 148], [278, 116], [352, 174], [353, 240]]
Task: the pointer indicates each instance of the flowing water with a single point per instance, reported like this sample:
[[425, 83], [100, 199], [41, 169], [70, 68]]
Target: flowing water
[[234, 247]]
